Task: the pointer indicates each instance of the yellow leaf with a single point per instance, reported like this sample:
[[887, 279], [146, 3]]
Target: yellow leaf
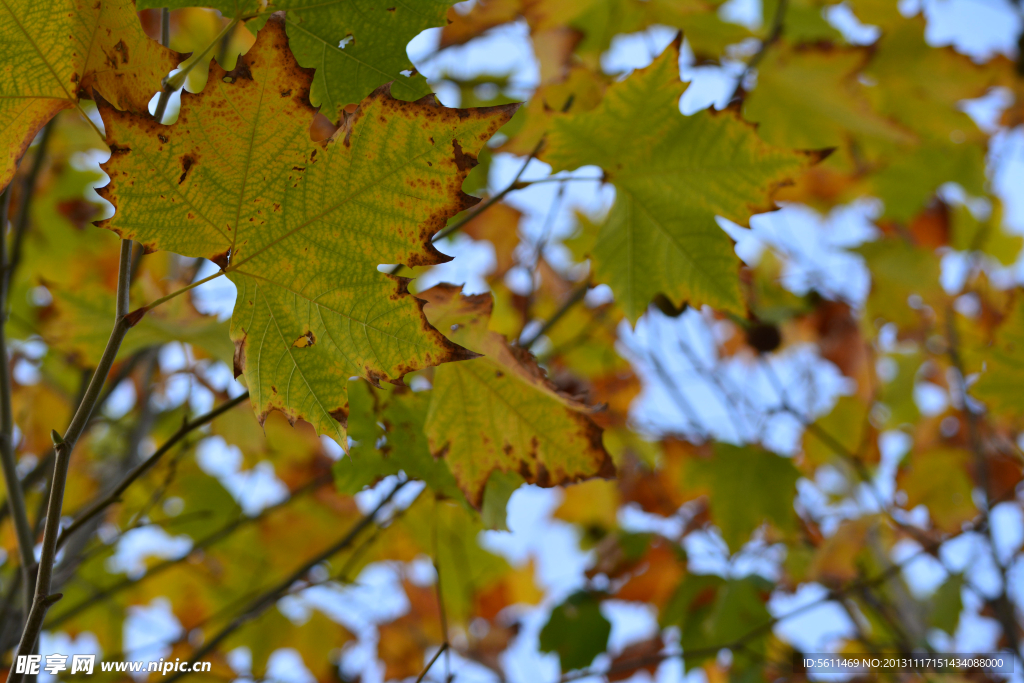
[[55, 52], [590, 504], [938, 480], [810, 98]]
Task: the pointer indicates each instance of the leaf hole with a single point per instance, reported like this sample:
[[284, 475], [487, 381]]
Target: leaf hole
[[306, 340]]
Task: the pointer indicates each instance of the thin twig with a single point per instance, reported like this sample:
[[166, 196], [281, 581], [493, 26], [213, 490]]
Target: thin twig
[[15, 495], [21, 221], [101, 504], [483, 206], [774, 33], [173, 83], [577, 296], [441, 611], [1002, 605], [343, 576], [684, 405], [270, 597], [855, 585], [492, 200], [209, 540], [728, 402], [443, 648]]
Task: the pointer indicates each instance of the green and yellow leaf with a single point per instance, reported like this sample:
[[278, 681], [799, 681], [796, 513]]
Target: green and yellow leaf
[[299, 227], [56, 52], [500, 412], [661, 235]]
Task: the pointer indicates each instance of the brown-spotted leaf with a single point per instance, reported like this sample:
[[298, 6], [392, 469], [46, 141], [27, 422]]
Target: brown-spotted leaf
[[55, 52], [300, 226]]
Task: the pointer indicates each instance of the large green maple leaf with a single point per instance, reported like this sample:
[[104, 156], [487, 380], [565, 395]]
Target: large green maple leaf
[[672, 174], [300, 227], [354, 45], [55, 52]]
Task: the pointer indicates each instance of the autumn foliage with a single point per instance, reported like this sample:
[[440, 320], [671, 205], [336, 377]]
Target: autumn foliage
[[343, 463]]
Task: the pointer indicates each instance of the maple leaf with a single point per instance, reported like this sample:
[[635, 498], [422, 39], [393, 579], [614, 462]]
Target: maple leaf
[[921, 86], [56, 52], [671, 182], [500, 412], [448, 531], [810, 97], [392, 420], [1000, 381], [746, 486], [300, 227], [355, 45], [938, 480], [843, 433], [576, 630]]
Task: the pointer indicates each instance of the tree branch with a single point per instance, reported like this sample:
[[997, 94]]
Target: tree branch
[[774, 33], [853, 586], [21, 221], [268, 598], [430, 664], [211, 539], [63, 447], [577, 296], [1002, 605], [494, 199], [101, 504], [15, 496]]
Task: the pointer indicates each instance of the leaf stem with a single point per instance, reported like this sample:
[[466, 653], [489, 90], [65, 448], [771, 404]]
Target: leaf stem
[[63, 447], [173, 83], [430, 664], [142, 310], [109, 499], [577, 296], [15, 496]]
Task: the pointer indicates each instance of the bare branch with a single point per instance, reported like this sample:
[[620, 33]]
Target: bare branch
[[63, 447], [271, 596], [101, 504]]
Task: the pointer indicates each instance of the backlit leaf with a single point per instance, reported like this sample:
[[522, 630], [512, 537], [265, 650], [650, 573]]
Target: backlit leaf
[[661, 235], [298, 226], [747, 487], [1003, 374], [500, 412], [56, 52], [577, 631], [938, 480]]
